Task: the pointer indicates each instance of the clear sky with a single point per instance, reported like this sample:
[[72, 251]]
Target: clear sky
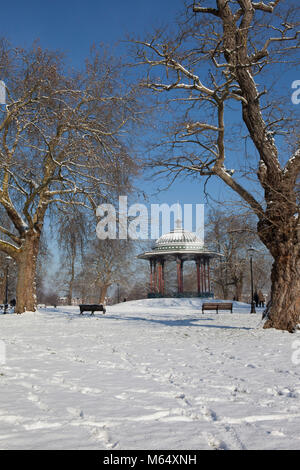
[[73, 25]]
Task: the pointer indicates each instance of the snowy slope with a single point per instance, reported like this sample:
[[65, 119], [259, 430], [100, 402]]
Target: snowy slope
[[150, 374]]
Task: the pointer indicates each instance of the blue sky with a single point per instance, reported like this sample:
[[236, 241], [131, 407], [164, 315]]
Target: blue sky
[[74, 25]]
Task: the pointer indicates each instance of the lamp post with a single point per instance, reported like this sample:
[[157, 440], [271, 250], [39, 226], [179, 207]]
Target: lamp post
[[8, 258], [251, 251]]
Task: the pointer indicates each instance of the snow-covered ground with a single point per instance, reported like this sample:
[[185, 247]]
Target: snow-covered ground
[[150, 374]]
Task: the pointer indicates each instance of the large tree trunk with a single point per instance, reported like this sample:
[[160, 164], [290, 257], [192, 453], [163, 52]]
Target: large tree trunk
[[284, 312], [3, 282], [103, 294], [26, 283], [283, 241]]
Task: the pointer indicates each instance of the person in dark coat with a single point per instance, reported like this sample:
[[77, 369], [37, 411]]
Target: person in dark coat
[[261, 299]]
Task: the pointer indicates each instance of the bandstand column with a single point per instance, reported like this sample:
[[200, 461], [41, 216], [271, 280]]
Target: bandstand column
[[198, 275], [179, 267], [208, 280], [181, 276], [151, 275], [204, 275], [162, 277], [159, 277], [155, 276]]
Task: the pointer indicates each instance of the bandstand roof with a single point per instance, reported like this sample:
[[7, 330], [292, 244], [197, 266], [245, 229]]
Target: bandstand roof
[[179, 243]]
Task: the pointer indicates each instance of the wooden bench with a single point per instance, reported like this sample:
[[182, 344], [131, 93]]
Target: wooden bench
[[92, 308], [217, 306]]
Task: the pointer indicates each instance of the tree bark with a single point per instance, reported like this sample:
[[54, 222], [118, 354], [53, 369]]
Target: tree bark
[[26, 283], [284, 312], [103, 294], [239, 288], [283, 241], [3, 282]]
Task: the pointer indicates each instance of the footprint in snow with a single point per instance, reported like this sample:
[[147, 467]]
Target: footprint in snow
[[216, 443], [76, 412], [35, 399], [209, 414], [104, 436]]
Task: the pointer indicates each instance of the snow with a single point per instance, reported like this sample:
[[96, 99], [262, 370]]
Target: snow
[[150, 374]]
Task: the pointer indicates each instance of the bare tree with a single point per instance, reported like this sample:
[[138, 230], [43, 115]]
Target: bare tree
[[216, 64], [106, 262], [232, 235], [72, 236], [62, 142]]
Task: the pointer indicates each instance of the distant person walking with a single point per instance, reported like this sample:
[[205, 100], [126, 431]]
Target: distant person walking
[[261, 299]]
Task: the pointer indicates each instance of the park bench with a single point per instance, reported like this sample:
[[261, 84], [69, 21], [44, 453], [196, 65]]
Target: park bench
[[217, 306], [92, 308]]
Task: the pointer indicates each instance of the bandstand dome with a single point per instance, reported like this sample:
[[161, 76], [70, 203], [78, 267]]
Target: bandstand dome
[[179, 239]]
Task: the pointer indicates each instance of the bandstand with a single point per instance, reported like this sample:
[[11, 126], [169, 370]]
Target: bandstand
[[179, 246]]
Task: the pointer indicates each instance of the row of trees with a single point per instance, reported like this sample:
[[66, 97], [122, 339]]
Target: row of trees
[[91, 268]]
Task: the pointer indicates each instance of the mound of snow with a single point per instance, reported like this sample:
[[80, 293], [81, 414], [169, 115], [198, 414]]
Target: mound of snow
[[173, 302]]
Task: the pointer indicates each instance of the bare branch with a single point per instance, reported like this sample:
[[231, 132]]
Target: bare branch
[[12, 236], [266, 7], [199, 9], [9, 249]]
